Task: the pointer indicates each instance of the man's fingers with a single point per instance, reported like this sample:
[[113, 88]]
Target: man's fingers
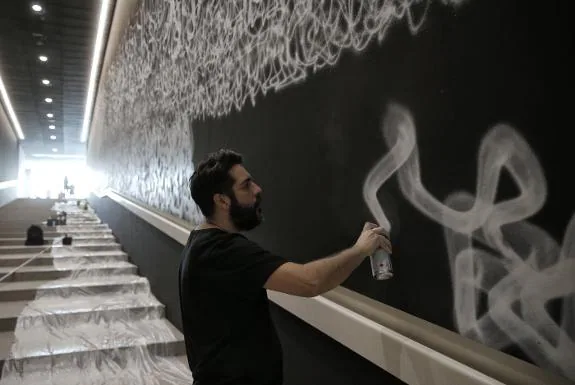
[[385, 244], [369, 226], [381, 231]]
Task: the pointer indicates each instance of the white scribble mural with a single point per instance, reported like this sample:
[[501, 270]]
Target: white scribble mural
[[492, 247], [182, 61]]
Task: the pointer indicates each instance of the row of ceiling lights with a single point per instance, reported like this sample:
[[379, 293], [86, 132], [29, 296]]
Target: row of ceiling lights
[[96, 61], [43, 58]]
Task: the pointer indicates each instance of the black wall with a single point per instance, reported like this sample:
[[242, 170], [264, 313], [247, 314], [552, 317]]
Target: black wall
[[8, 157], [311, 146], [156, 255], [310, 357]]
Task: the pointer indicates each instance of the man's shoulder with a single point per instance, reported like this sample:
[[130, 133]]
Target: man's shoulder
[[212, 236], [214, 241]]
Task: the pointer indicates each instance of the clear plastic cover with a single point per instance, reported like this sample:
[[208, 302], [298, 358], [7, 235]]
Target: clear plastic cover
[[99, 325]]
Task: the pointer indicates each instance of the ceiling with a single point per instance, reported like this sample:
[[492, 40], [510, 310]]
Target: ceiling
[[65, 32]]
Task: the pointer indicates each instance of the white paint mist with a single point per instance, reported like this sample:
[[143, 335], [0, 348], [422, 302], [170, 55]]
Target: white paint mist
[[525, 265]]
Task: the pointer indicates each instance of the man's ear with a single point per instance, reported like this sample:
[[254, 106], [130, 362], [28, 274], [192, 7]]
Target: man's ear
[[222, 201]]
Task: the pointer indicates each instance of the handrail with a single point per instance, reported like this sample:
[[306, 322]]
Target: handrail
[[25, 263], [8, 183]]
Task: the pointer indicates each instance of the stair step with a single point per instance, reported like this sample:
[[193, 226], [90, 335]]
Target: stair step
[[66, 287], [110, 246], [67, 228], [64, 270], [79, 226], [76, 256], [86, 344], [91, 226], [157, 371], [20, 241], [55, 234], [42, 219], [71, 219], [79, 309]]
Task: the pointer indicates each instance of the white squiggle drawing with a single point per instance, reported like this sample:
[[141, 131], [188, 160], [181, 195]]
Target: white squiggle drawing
[[211, 57], [520, 267], [198, 59]]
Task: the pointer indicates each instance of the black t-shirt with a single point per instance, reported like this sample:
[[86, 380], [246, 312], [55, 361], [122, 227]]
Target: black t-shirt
[[229, 334]]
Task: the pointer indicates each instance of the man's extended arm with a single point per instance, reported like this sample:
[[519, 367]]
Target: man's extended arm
[[322, 275]]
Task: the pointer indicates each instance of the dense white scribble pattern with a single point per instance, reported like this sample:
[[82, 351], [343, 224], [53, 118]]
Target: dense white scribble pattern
[[493, 249], [185, 60], [209, 57]]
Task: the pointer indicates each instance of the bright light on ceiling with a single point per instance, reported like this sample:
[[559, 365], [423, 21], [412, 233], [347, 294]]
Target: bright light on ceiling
[[37, 8], [97, 57], [50, 115], [48, 100], [46, 82], [11, 113], [53, 137], [52, 127], [55, 149], [43, 58]]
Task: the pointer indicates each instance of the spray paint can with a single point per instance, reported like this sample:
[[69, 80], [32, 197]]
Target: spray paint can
[[381, 267]]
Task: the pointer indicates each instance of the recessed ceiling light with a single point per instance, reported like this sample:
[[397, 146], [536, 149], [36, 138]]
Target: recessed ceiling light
[[43, 58], [46, 82], [55, 149], [52, 127], [53, 137], [48, 100], [37, 8], [50, 115]]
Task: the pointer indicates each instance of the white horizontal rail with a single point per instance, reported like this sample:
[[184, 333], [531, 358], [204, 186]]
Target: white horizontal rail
[[173, 230], [405, 358], [8, 184]]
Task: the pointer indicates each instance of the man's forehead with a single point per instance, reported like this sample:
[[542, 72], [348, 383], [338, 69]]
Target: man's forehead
[[239, 173]]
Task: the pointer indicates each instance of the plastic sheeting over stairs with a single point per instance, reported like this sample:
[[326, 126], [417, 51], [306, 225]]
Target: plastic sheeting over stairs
[[79, 314]]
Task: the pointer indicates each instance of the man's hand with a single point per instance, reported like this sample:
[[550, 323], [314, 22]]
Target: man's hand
[[372, 238]]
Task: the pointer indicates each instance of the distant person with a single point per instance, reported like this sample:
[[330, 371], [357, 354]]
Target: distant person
[[223, 277]]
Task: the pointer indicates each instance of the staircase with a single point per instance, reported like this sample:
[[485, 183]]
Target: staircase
[[79, 314]]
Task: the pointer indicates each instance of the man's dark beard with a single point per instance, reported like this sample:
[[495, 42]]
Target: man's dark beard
[[245, 218]]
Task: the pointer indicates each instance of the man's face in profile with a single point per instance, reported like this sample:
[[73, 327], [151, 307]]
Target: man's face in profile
[[245, 208]]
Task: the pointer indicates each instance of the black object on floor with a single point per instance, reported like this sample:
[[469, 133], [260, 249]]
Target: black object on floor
[[34, 236], [67, 241]]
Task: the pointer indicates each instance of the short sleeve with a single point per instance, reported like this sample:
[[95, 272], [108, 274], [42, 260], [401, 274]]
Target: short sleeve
[[243, 263]]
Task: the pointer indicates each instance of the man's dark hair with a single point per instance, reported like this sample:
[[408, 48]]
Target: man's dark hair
[[212, 177]]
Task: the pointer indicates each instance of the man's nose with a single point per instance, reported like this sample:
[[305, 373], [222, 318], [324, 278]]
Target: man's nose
[[257, 189]]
